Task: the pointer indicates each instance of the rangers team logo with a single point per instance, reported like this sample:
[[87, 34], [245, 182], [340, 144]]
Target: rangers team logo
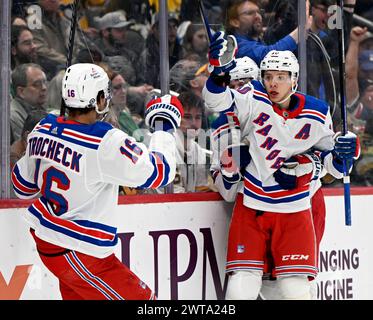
[[240, 248]]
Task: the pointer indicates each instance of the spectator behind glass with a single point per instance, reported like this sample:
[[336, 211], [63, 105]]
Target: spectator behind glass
[[243, 19], [319, 77], [30, 87], [119, 114], [52, 39], [138, 10], [18, 21], [135, 93], [358, 64], [150, 55], [192, 159], [54, 93], [283, 19], [359, 92], [121, 33], [322, 66], [213, 10], [118, 39], [113, 27], [18, 147], [120, 56], [191, 76], [195, 42], [23, 49], [88, 10], [91, 55], [18, 7], [188, 75]]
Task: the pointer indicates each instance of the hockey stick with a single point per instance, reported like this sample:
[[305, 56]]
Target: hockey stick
[[71, 46], [234, 137], [342, 60], [205, 21], [230, 53]]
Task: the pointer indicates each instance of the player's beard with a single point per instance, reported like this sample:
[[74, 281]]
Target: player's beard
[[25, 58], [255, 31]]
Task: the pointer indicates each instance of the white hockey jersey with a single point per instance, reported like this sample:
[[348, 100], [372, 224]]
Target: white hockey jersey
[[274, 135], [76, 169]]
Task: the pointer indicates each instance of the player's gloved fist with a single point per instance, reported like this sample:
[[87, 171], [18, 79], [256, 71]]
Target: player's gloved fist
[[298, 171], [164, 113], [222, 52], [233, 160], [346, 147]]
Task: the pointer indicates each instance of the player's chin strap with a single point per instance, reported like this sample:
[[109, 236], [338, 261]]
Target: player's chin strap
[[106, 107], [293, 90]]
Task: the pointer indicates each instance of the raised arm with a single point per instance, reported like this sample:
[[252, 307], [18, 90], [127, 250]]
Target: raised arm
[[352, 64]]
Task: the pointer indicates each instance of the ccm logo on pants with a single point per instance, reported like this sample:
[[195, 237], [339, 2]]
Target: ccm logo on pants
[[295, 257]]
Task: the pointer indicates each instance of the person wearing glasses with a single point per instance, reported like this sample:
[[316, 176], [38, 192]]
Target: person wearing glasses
[[244, 20], [23, 48], [30, 93]]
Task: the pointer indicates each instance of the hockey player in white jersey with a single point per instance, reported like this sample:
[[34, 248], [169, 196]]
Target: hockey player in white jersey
[[272, 214], [245, 70], [75, 164], [227, 132]]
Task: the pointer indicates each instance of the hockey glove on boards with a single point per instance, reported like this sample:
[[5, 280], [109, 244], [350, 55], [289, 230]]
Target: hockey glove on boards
[[233, 161], [297, 171], [164, 113], [221, 53]]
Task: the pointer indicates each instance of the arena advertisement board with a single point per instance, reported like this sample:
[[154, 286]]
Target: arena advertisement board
[[178, 248], [346, 256]]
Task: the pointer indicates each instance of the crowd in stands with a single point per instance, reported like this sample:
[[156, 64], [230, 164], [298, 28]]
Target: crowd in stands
[[123, 38]]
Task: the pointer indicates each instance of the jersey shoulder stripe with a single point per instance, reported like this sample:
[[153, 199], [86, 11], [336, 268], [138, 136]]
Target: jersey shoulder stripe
[[315, 105], [70, 137], [260, 97], [313, 108], [311, 116], [258, 86], [89, 136], [97, 129]]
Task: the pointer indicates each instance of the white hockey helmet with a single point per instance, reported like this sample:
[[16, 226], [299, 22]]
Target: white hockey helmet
[[81, 84], [245, 68], [281, 61]]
